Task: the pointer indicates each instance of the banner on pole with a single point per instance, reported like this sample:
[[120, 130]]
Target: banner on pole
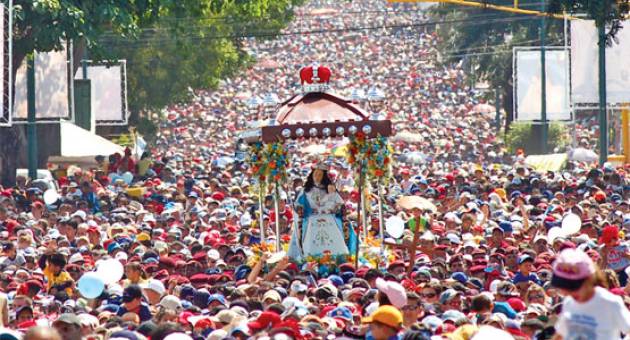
[[584, 60], [54, 89], [528, 84], [109, 92]]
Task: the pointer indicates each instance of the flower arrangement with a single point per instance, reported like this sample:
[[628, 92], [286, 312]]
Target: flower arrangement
[[268, 163], [258, 250], [374, 154]]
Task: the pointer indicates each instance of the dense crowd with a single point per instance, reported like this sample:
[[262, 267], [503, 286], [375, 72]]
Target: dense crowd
[[493, 260]]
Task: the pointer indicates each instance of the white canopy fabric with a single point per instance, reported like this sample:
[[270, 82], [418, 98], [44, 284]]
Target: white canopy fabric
[[78, 142]]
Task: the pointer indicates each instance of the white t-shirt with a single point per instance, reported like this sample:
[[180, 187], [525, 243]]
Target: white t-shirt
[[603, 317]]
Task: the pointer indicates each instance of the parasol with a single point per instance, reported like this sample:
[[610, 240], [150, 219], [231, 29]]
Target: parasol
[[408, 137], [411, 202], [583, 155], [414, 157]]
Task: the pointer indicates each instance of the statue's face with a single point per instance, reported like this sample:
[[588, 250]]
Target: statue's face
[[318, 176]]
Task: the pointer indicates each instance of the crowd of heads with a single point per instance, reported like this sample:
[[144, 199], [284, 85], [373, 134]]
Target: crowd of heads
[[184, 218]]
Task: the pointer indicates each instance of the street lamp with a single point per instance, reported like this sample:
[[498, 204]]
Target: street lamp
[[253, 106], [376, 101], [270, 102], [357, 95]]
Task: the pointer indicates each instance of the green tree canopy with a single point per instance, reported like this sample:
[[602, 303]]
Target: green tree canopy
[[194, 50]]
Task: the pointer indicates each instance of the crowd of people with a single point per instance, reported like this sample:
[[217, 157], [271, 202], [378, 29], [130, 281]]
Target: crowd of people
[[493, 260]]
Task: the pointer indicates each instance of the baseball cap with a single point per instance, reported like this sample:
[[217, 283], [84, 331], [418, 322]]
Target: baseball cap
[[387, 315], [132, 292], [264, 320], [171, 302], [507, 288], [68, 318], [156, 286], [394, 291], [571, 268]]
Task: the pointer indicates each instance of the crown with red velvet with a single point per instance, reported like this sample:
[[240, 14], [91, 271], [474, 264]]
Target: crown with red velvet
[[315, 75]]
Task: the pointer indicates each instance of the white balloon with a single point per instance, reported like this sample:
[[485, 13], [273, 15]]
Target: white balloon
[[554, 233], [110, 270], [571, 224], [51, 196], [395, 226], [127, 177]]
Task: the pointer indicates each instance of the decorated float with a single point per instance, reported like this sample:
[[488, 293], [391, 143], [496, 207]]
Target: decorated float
[[319, 113]]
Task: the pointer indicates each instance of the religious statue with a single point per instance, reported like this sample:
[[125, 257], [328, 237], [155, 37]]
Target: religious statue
[[320, 231]]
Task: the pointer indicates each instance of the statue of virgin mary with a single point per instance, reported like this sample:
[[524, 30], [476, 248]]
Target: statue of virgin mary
[[320, 231]]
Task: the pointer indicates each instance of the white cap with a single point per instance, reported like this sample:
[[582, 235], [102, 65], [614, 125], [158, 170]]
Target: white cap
[[77, 257], [80, 213], [213, 254], [156, 286], [121, 256], [177, 336], [172, 302]]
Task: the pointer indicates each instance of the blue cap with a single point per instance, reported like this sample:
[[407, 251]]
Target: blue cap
[[187, 292], [241, 272], [506, 226], [341, 313], [515, 194], [460, 277], [112, 247], [217, 297], [524, 258], [615, 198], [336, 280], [346, 276]]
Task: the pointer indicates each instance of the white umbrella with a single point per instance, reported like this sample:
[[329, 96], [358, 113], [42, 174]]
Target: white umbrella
[[414, 157], [583, 155], [409, 137]]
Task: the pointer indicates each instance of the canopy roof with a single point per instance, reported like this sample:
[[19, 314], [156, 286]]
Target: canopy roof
[[318, 107]]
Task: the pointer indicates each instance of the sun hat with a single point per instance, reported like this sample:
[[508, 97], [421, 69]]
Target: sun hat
[[394, 291], [387, 315], [571, 268]]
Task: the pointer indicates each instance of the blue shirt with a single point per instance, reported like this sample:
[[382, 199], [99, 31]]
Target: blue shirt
[[519, 277], [144, 312]]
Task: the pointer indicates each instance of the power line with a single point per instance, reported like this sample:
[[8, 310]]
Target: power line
[[199, 36]]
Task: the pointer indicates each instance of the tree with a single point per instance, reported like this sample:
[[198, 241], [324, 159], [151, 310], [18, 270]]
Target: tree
[[483, 40], [44, 25], [177, 53]]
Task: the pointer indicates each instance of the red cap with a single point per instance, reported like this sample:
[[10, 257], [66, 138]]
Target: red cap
[[265, 319]]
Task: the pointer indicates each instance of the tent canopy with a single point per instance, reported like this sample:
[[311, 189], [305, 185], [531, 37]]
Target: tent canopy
[[78, 142]]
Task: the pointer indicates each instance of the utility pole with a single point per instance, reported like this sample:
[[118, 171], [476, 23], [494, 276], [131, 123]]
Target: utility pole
[[31, 131], [603, 118], [543, 80], [497, 108]]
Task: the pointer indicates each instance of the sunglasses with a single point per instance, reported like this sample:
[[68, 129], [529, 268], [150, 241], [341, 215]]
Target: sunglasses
[[410, 307], [428, 295]]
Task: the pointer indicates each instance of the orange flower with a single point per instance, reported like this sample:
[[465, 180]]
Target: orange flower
[[272, 165]]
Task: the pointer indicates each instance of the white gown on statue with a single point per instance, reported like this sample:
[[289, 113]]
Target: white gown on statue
[[323, 228]]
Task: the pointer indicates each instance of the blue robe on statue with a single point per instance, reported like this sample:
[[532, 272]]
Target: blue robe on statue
[[321, 226]]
